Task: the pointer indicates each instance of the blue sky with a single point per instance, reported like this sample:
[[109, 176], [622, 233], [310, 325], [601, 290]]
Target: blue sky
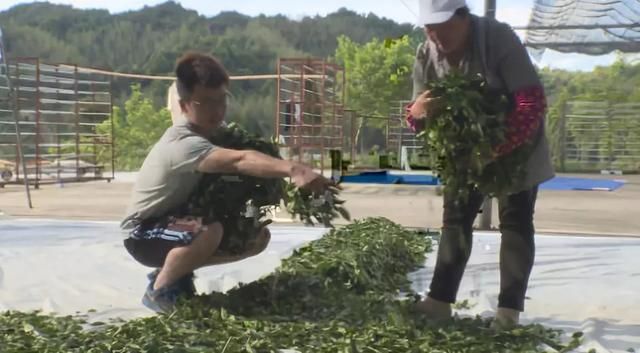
[[514, 12]]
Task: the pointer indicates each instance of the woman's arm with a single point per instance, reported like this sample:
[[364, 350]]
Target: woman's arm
[[521, 80], [419, 86], [526, 118]]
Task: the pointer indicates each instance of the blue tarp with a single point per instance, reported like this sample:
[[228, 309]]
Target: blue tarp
[[371, 178], [384, 177], [557, 183], [566, 183]]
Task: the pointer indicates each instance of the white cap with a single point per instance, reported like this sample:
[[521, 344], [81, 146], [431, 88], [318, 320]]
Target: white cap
[[437, 11]]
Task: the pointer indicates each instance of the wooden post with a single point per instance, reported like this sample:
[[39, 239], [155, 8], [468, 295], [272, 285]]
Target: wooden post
[[16, 118], [610, 137], [562, 121]]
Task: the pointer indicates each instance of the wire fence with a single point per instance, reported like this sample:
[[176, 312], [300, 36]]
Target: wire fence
[[65, 125], [596, 136], [589, 137]]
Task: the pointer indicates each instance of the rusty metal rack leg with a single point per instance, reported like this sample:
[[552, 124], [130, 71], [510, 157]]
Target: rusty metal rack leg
[[310, 109]]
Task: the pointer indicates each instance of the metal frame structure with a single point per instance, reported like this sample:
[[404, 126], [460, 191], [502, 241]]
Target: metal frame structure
[[7, 100], [399, 135], [360, 141], [391, 132], [349, 131], [310, 108], [59, 109], [599, 135]]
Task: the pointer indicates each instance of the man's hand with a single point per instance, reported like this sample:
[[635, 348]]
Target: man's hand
[[425, 105], [305, 178]]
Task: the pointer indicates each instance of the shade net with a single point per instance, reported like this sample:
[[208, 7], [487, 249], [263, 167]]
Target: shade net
[[588, 17]]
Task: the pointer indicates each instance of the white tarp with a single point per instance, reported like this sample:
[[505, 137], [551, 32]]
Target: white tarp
[[578, 284]]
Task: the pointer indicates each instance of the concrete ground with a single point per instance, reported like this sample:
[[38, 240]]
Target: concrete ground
[[584, 212]]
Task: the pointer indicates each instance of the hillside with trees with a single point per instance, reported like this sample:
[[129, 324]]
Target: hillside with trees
[[376, 52]]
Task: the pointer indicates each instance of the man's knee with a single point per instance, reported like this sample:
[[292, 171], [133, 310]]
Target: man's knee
[[262, 241], [265, 235], [211, 235]]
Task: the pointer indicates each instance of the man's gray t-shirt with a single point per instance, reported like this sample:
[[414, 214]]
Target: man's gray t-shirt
[[168, 174]]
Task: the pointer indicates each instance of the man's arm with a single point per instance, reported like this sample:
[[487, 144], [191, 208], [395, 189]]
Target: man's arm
[[253, 163], [413, 116], [248, 162], [417, 73]]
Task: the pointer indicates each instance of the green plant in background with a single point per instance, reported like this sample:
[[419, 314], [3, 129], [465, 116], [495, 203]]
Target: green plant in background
[[463, 134], [379, 72], [151, 39], [136, 129]]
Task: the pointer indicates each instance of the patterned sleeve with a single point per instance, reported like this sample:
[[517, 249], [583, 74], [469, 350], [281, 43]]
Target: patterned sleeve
[[521, 80], [525, 119], [411, 121]]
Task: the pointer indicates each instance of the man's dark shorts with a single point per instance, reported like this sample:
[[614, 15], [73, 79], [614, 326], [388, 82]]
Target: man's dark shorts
[[150, 241]]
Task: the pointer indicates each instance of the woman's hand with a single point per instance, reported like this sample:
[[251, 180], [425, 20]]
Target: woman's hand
[[425, 106]]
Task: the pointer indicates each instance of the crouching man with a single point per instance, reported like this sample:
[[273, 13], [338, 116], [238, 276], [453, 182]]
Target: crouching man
[[176, 246]]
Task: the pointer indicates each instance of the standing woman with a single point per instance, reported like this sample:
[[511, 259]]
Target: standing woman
[[458, 40]]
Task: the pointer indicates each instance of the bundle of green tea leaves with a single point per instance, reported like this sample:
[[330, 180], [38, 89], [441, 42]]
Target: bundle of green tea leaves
[[462, 136], [241, 202], [340, 293]]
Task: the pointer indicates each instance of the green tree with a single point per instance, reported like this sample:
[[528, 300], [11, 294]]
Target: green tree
[[378, 73], [150, 40], [26, 41], [136, 129]]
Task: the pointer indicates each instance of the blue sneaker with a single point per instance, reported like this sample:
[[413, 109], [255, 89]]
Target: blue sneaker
[[185, 283], [151, 276], [164, 299]]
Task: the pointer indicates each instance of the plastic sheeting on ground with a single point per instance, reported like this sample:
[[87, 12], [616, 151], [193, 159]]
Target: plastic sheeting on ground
[[590, 284]]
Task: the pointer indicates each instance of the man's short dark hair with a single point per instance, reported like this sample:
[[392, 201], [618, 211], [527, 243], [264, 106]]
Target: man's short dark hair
[[194, 69], [462, 11]]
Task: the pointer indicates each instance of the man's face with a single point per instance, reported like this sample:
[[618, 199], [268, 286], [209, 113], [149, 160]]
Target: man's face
[[206, 107], [448, 36]]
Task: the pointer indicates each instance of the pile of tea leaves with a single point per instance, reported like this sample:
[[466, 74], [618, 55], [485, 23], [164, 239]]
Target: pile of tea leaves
[[345, 292], [462, 135]]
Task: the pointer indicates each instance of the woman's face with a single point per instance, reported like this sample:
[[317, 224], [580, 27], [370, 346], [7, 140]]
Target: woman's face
[[450, 36]]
